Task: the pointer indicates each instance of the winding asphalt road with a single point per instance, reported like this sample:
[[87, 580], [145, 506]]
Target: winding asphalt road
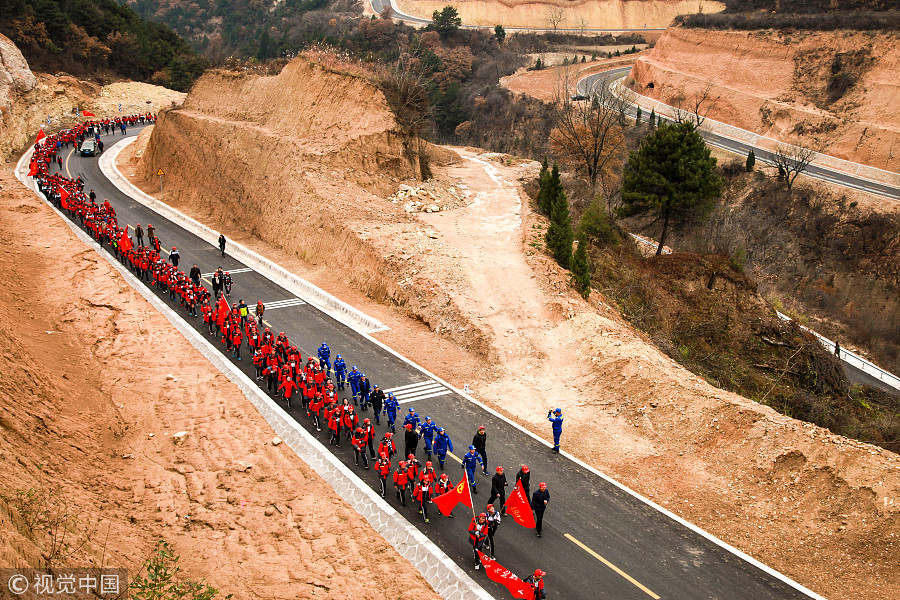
[[379, 5], [601, 541], [586, 85]]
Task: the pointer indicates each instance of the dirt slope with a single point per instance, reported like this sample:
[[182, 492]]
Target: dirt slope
[[841, 85], [94, 384], [573, 14]]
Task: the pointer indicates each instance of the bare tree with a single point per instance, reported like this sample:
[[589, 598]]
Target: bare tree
[[582, 25], [406, 94], [554, 17], [792, 161], [695, 109], [589, 135]]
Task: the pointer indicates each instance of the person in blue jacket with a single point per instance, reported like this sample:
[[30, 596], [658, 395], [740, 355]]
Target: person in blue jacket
[[391, 406], [412, 418], [442, 444], [555, 417], [365, 388], [340, 371], [470, 463], [353, 379], [324, 356], [427, 430]]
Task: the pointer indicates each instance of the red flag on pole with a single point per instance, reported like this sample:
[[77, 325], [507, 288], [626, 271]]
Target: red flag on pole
[[518, 507], [41, 135], [497, 572], [63, 196], [223, 310], [447, 501], [88, 113], [125, 242]]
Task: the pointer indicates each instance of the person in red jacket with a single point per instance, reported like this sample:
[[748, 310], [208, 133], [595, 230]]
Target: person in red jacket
[[314, 407], [386, 446], [349, 420], [206, 310], [236, 340], [358, 441], [412, 471], [478, 530], [443, 486], [259, 361], [536, 580], [370, 436], [334, 425], [383, 468], [271, 371], [288, 387], [422, 494], [401, 479]]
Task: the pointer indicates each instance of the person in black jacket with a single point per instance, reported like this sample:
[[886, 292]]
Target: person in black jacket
[[524, 475], [377, 400], [195, 275], [539, 501], [412, 440], [498, 489], [217, 282], [480, 443], [174, 256], [222, 243]]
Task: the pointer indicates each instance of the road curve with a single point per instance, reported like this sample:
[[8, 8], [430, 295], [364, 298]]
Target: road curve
[[601, 540], [379, 5], [589, 83]]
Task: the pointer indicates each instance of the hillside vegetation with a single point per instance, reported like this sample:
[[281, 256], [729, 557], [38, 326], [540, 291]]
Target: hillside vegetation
[[96, 38]]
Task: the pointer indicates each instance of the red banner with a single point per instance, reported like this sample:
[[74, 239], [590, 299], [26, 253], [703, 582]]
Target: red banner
[[63, 196], [124, 242], [497, 572], [41, 135], [88, 113], [447, 501], [518, 507], [33, 170], [222, 311]]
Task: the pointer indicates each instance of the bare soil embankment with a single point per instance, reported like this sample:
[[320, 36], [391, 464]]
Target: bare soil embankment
[[571, 14], [95, 382], [841, 86]]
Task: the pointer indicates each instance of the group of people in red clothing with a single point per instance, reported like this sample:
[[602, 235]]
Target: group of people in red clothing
[[278, 363]]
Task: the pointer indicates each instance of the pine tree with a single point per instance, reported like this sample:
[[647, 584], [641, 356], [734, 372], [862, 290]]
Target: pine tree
[[751, 160], [559, 235], [637, 118], [581, 269], [652, 117]]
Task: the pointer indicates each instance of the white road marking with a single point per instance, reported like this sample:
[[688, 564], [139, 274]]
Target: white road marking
[[410, 386], [425, 397], [233, 271], [418, 391], [283, 303]]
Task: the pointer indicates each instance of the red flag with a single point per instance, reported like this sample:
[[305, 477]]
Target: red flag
[[223, 310], [125, 242], [447, 501], [88, 113], [41, 135], [518, 508], [63, 196], [33, 170], [497, 572]]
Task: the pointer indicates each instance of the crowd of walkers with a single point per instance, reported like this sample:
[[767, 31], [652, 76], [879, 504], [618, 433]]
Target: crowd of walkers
[[334, 398]]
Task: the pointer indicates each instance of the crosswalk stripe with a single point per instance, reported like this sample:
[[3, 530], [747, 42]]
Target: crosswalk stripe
[[283, 303], [410, 386], [233, 271], [420, 392], [425, 397]]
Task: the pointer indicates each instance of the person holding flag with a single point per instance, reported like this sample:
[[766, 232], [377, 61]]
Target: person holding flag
[[478, 532], [539, 501], [524, 589], [448, 500], [519, 508], [536, 580]]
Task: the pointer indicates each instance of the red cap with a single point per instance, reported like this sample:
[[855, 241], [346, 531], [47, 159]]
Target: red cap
[[480, 427], [408, 425], [539, 573], [489, 506], [411, 456], [525, 469], [542, 485], [499, 469], [427, 463]]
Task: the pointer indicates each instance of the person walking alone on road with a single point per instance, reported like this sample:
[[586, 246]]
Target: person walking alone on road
[[195, 275], [222, 243], [480, 443], [139, 234], [539, 501], [555, 417]]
